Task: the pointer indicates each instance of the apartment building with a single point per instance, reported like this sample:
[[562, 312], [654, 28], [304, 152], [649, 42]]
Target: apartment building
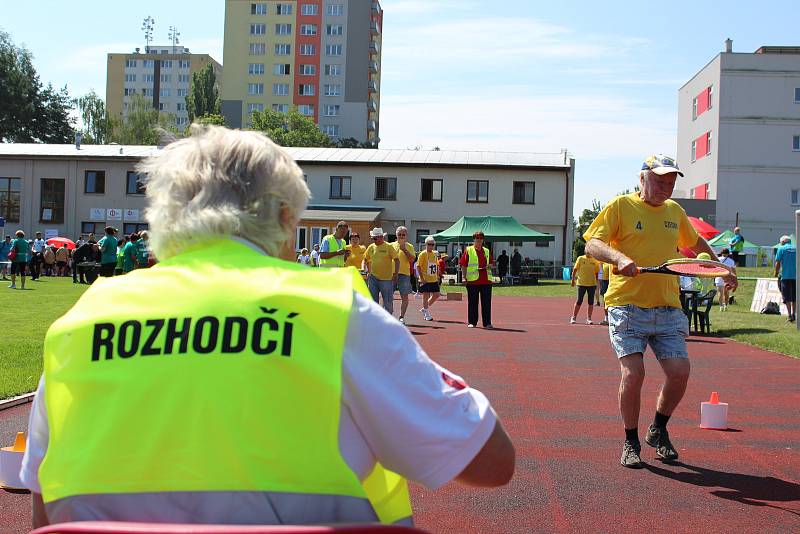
[[739, 140], [322, 57], [163, 74], [60, 190]]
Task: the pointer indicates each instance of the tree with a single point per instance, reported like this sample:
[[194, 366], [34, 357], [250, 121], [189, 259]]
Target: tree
[[348, 142], [211, 120], [585, 219], [144, 125], [28, 112], [203, 98], [95, 119], [289, 129]]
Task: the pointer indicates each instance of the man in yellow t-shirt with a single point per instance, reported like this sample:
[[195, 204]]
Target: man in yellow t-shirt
[[382, 265], [584, 275], [603, 277], [406, 256], [645, 228], [357, 251], [428, 273]]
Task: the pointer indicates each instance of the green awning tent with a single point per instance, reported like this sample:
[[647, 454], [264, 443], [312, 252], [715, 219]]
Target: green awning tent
[[723, 240], [494, 228], [792, 237]]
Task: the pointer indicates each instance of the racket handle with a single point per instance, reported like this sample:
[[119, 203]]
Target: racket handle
[[616, 271]]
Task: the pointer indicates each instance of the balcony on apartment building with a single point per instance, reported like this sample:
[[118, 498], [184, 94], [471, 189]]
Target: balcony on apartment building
[[374, 48], [373, 66], [372, 105], [376, 8], [372, 86], [373, 27], [372, 125]]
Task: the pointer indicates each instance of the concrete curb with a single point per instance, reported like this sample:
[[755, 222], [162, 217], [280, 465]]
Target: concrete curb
[[16, 401]]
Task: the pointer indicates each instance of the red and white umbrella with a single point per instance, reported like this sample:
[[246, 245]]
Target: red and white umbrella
[[59, 242]]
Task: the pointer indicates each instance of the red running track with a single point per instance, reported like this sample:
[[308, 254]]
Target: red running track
[[554, 386]]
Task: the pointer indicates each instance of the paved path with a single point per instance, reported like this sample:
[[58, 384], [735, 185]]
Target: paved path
[[554, 385]]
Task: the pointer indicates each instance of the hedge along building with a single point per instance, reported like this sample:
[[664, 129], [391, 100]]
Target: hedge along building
[[69, 191]]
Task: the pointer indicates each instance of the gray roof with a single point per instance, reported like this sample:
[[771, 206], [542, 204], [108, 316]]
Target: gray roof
[[350, 156], [338, 215]]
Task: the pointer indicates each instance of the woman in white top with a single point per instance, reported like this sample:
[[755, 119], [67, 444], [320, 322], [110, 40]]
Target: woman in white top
[[304, 257], [722, 289]]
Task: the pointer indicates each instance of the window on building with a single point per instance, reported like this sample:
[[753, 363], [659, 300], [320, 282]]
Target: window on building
[[130, 63], [283, 50], [94, 182], [148, 78], [306, 109], [255, 88], [133, 184], [166, 78], [164, 92], [254, 107], [702, 102], [431, 190], [10, 189], [180, 92], [333, 89], [333, 50], [477, 190], [258, 29], [524, 193], [181, 121], [333, 70], [331, 130], [166, 63], [308, 29], [336, 10], [283, 29], [163, 106], [258, 9], [309, 9], [96, 228], [694, 108], [694, 150], [317, 234], [386, 188], [52, 201], [183, 78], [308, 70], [422, 233], [340, 187], [130, 77], [147, 92], [331, 110], [255, 69], [258, 49], [701, 146], [180, 106], [283, 9], [541, 244], [184, 63], [129, 91], [795, 197], [280, 108], [282, 69], [129, 228], [334, 29], [308, 49], [147, 63], [796, 142], [280, 89], [306, 89], [301, 238]]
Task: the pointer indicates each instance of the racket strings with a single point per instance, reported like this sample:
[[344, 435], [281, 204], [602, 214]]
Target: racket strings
[[697, 269]]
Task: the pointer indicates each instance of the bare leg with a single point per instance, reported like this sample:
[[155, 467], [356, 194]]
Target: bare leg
[[591, 307], [630, 388], [677, 376], [403, 305], [575, 310]]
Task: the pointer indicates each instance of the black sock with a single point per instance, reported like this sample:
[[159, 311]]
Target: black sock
[[660, 420], [632, 435]]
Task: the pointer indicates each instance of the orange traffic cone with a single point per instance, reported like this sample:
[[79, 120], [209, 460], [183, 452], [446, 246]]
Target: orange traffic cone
[[714, 414], [11, 462], [714, 398]]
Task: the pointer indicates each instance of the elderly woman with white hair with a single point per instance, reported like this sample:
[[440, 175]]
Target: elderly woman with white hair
[[229, 384]]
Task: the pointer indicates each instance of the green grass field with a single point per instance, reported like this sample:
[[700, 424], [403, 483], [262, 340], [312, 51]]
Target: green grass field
[[28, 314]]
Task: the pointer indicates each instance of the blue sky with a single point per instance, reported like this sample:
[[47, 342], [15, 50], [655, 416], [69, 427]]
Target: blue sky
[[598, 78]]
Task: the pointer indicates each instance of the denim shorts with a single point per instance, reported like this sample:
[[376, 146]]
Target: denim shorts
[[632, 329], [404, 284]]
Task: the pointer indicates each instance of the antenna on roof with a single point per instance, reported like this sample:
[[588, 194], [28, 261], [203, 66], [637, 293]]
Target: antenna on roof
[[148, 25], [173, 36]]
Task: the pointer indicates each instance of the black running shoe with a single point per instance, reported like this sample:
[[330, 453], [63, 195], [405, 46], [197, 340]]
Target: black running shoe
[[659, 438], [630, 455]]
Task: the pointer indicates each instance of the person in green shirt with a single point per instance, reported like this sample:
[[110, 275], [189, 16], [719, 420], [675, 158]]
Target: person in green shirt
[[108, 252], [23, 249], [130, 253]]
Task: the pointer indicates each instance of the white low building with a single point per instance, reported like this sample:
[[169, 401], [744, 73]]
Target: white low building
[[58, 189]]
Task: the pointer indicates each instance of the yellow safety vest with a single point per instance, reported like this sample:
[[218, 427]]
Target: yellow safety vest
[[333, 246], [232, 387], [472, 262]]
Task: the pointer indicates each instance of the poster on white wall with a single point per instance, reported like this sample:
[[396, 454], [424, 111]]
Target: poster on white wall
[[113, 214], [97, 214], [132, 215]]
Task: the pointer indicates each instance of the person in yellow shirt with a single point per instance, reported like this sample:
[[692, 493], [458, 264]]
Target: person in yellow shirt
[[584, 275], [357, 251], [406, 256], [646, 228], [603, 277], [382, 265], [428, 273]]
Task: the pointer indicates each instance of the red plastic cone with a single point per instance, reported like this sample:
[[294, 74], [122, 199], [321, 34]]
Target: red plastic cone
[[19, 443], [714, 398]]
